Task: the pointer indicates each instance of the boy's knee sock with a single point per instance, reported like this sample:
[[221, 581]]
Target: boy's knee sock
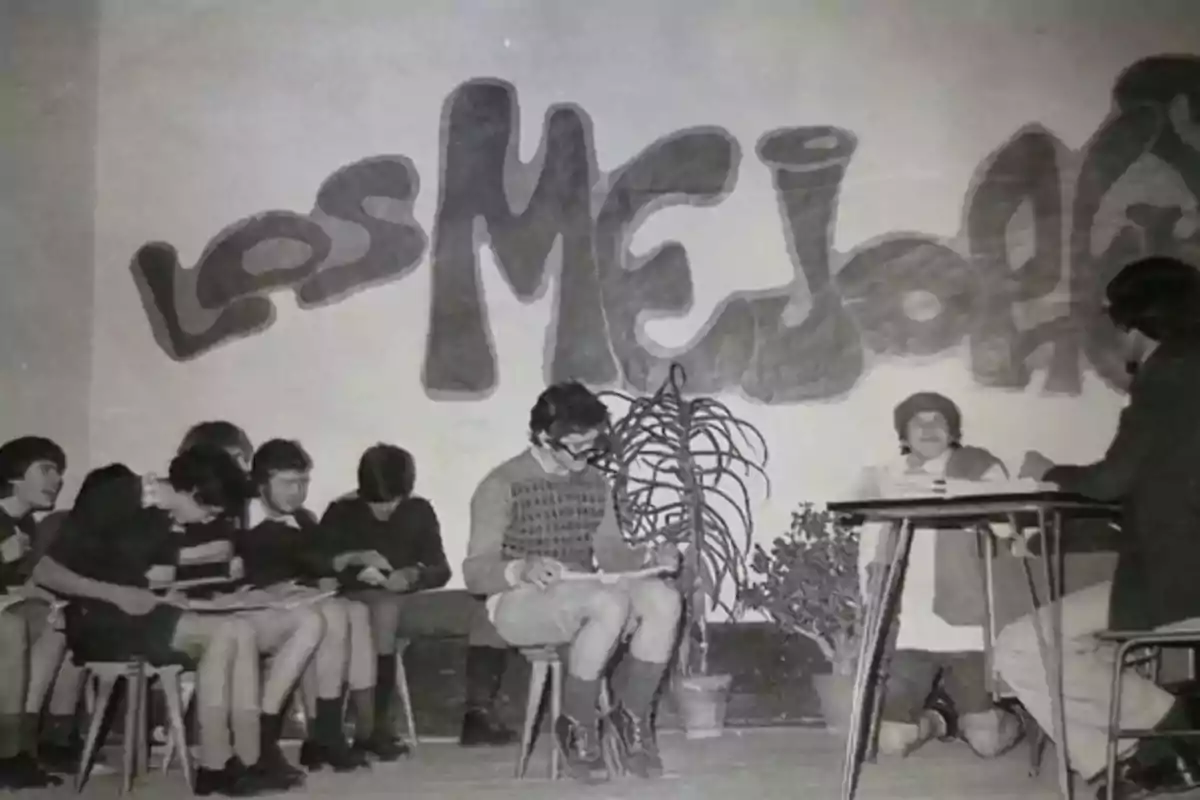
[[579, 699], [385, 693], [637, 684], [59, 730], [270, 730], [327, 727], [366, 722], [484, 675], [29, 732], [10, 735]]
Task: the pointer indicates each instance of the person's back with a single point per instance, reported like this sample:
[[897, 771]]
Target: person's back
[[1161, 509], [1152, 467]]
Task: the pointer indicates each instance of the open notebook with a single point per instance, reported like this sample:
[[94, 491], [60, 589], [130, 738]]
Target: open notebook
[[258, 599]]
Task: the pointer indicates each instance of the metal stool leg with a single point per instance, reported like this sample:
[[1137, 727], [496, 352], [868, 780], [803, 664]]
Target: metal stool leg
[[1114, 721], [405, 696], [556, 682], [102, 694], [538, 678]]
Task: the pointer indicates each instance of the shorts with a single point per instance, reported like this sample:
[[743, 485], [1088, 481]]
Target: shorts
[[98, 631], [527, 616], [913, 674]]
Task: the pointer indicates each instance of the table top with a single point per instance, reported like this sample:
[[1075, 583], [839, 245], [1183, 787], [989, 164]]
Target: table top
[[891, 509]]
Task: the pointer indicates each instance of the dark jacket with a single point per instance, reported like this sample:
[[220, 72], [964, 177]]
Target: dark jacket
[[410, 537], [1153, 468]]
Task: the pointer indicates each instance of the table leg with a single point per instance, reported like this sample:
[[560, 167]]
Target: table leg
[[987, 542], [1050, 527], [880, 612]]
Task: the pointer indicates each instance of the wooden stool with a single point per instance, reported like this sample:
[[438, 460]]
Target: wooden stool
[[179, 688], [106, 675], [547, 670], [134, 749]]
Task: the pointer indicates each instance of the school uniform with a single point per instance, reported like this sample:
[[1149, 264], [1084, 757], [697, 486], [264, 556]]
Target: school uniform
[[117, 538]]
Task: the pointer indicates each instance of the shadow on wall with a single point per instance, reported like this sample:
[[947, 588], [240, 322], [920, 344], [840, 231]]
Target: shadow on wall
[[905, 294]]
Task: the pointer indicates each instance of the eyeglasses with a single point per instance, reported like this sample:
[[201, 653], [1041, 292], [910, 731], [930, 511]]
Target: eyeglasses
[[586, 451]]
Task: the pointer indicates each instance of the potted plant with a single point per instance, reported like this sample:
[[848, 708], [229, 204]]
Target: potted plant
[[808, 585], [681, 469]]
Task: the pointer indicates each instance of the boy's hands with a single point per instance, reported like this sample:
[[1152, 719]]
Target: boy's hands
[[542, 571]]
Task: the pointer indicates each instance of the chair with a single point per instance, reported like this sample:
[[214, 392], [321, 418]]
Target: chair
[[1143, 658], [1128, 643], [105, 675], [546, 669]]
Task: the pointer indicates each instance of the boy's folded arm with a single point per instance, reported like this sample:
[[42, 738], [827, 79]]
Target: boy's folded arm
[[485, 570]]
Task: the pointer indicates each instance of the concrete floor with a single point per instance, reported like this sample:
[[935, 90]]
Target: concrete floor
[[742, 765]]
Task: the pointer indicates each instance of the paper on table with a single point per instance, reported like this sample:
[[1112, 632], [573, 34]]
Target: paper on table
[[614, 577], [914, 486]]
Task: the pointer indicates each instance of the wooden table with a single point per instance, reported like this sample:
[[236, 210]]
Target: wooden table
[[1042, 509]]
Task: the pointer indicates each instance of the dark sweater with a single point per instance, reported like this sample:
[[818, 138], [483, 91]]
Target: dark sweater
[[1153, 469], [274, 551], [410, 537], [111, 536]]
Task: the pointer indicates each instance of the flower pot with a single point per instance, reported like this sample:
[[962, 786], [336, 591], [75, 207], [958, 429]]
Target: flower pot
[[701, 701], [835, 693]]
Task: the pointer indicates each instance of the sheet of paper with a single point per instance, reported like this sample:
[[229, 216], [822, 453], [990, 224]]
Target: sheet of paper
[[257, 600], [614, 577], [916, 486]]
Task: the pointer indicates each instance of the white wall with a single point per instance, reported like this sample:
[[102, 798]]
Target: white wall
[[47, 136], [212, 110]]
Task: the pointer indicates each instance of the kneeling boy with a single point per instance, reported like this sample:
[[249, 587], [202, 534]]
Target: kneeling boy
[[936, 682], [547, 511]]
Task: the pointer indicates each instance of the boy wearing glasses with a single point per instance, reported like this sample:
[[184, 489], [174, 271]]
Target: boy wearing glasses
[[543, 515]]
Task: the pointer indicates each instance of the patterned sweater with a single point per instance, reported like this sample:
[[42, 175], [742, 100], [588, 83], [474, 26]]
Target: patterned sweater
[[522, 509]]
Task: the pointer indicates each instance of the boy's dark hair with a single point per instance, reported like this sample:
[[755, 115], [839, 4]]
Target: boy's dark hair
[[210, 475], [217, 433], [1158, 296], [18, 455], [565, 408], [386, 473], [278, 455], [920, 403], [106, 493]]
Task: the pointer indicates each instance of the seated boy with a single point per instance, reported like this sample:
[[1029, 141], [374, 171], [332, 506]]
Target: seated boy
[[547, 511], [281, 548], [207, 560], [939, 644], [384, 522], [30, 649], [102, 561]]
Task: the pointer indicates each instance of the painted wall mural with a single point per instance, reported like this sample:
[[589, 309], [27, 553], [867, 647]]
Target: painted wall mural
[[1080, 216]]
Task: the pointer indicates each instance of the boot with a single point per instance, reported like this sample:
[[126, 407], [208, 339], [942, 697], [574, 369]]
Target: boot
[[484, 675], [327, 745], [273, 767]]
